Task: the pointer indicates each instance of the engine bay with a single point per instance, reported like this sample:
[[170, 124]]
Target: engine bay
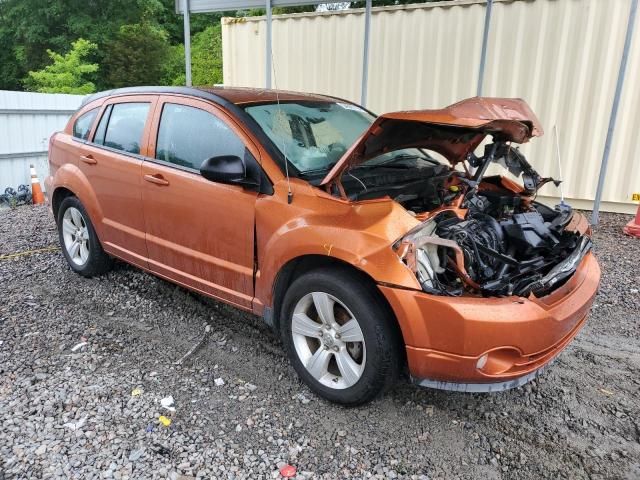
[[487, 235]]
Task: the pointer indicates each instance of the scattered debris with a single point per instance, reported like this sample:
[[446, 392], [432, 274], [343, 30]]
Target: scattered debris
[[606, 392], [219, 382], [136, 392], [288, 471], [78, 346], [164, 420], [250, 386], [167, 403]]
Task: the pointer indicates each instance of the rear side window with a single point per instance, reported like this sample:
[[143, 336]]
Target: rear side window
[[82, 126], [188, 136], [121, 126]]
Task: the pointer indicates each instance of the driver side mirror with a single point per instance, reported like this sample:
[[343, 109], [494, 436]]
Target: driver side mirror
[[229, 169]]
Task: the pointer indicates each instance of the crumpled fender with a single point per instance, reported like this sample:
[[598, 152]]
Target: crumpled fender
[[358, 233]]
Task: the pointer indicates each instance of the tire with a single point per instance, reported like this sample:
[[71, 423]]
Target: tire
[[346, 372], [79, 242]]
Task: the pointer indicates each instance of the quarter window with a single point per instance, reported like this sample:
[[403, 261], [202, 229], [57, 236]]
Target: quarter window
[[82, 125], [188, 136], [124, 125], [98, 137]]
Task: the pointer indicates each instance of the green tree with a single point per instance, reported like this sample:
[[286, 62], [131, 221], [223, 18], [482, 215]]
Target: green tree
[[206, 59], [206, 56], [136, 56], [29, 27], [67, 73], [174, 66]]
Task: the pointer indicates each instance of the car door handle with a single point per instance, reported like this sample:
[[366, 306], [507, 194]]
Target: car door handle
[[88, 159], [157, 179]]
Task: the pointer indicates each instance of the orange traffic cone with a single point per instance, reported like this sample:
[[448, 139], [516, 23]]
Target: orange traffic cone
[[36, 190], [633, 227]]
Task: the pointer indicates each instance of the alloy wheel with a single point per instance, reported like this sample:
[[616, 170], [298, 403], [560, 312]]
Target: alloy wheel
[[76, 236], [328, 340]]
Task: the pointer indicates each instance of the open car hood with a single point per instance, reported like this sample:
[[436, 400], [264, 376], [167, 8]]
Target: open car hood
[[454, 131]]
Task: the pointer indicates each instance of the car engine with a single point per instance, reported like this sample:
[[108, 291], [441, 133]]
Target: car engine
[[490, 237]]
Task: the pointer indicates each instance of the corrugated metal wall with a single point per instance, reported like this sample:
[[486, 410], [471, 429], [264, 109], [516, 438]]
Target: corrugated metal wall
[[27, 120], [562, 56]]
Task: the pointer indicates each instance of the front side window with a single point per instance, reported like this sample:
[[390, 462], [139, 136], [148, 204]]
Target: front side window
[[124, 126], [188, 136], [82, 125]]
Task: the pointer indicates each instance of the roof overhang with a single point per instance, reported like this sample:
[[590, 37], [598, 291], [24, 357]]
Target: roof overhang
[[207, 6]]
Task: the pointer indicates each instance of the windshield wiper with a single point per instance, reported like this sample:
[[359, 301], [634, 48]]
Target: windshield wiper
[[315, 171]]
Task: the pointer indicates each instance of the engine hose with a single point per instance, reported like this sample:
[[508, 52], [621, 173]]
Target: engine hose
[[506, 266]]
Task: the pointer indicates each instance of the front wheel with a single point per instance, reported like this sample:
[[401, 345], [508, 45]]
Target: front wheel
[[340, 336]]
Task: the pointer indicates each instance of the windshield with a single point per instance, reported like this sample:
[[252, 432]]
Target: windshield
[[314, 135]]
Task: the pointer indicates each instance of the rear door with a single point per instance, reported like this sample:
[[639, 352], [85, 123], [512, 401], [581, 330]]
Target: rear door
[[199, 233], [112, 162]]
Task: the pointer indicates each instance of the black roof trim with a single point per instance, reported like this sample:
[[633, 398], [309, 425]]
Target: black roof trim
[[190, 91]]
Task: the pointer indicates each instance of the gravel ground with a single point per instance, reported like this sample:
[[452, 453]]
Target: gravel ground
[[93, 411]]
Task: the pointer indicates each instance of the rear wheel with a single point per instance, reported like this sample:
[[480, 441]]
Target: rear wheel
[[80, 244], [339, 336]]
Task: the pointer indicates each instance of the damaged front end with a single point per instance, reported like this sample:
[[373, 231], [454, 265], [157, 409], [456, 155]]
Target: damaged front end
[[528, 252], [490, 237], [479, 234]]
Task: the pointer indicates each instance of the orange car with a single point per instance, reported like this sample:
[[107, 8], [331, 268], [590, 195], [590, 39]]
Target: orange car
[[371, 244]]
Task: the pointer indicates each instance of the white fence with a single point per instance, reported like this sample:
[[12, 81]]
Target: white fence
[[27, 120], [562, 56]]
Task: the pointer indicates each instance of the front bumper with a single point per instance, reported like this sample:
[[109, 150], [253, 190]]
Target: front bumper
[[490, 344]]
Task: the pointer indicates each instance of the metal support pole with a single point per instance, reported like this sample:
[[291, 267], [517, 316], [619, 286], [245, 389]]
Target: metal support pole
[[269, 50], [365, 53], [485, 41], [595, 217], [187, 42]]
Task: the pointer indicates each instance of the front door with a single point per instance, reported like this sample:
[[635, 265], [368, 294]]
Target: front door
[[199, 233]]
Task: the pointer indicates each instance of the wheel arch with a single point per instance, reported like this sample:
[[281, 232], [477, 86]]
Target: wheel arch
[[59, 194], [298, 266], [68, 181]]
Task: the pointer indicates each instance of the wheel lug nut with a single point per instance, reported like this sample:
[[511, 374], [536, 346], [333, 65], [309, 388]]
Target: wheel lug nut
[[337, 335], [335, 349]]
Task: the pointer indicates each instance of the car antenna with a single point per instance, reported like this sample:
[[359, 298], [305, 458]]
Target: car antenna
[[555, 130], [284, 145]]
